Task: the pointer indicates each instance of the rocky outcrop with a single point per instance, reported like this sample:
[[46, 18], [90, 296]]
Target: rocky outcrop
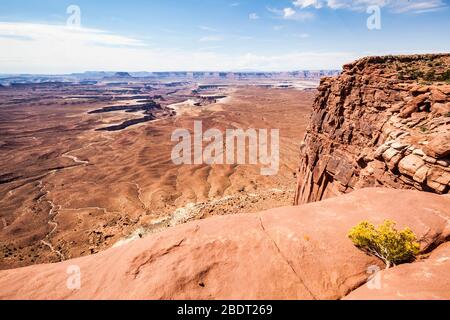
[[289, 253], [385, 121]]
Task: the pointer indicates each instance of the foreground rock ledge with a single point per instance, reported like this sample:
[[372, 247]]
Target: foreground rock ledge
[[287, 253]]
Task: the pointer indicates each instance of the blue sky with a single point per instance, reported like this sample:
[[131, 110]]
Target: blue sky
[[165, 35]]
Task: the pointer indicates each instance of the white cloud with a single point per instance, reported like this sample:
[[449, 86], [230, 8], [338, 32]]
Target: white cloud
[[308, 3], [74, 36], [291, 14], [41, 48], [416, 6], [253, 16], [397, 6], [288, 13], [45, 48], [296, 61]]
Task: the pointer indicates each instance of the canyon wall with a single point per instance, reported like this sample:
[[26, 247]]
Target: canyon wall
[[384, 122]]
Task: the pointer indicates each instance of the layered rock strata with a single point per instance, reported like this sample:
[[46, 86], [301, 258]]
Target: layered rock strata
[[385, 121]]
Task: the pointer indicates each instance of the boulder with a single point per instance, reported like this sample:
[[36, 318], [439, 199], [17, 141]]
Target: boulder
[[421, 174], [419, 89], [438, 180], [439, 145], [445, 89], [441, 109], [390, 153], [438, 96], [413, 105], [410, 164]]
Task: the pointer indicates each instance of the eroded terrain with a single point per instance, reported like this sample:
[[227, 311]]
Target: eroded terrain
[[88, 166]]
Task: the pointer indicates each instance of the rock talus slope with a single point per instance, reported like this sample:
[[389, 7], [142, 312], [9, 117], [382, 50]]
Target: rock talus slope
[[288, 253], [385, 121]]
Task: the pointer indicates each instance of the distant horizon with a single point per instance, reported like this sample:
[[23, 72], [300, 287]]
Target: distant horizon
[[174, 71], [212, 71], [229, 71]]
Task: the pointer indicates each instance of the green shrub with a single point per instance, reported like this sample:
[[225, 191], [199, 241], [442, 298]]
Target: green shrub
[[416, 74], [385, 242], [445, 76], [423, 129], [430, 75]]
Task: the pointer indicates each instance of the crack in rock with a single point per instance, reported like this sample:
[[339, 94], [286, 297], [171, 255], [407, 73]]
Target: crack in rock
[[286, 260]]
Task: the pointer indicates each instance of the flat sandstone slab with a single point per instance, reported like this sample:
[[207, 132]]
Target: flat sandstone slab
[[287, 253]]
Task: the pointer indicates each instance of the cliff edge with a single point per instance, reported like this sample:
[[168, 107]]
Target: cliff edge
[[384, 122]]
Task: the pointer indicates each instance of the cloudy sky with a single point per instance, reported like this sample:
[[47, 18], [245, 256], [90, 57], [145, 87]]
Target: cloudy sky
[[165, 35]]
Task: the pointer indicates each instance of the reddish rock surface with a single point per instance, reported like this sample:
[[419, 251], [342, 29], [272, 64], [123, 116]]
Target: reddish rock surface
[[428, 279], [385, 121], [288, 253]]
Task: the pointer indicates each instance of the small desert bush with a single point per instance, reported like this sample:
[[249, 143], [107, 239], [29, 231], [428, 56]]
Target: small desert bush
[[386, 242], [430, 75], [446, 76], [416, 74], [423, 129]]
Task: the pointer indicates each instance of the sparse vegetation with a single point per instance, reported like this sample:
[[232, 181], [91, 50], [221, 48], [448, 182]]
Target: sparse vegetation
[[386, 242], [446, 76], [435, 73], [416, 74], [430, 75]]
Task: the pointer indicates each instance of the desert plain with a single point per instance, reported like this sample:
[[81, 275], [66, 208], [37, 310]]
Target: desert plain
[[86, 167]]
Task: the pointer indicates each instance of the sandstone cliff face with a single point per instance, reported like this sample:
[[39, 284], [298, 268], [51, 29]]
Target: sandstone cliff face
[[385, 121], [288, 253]]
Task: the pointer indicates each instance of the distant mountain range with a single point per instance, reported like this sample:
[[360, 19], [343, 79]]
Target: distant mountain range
[[11, 79]]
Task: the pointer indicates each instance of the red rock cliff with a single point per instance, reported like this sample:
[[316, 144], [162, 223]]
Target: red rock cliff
[[385, 121]]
